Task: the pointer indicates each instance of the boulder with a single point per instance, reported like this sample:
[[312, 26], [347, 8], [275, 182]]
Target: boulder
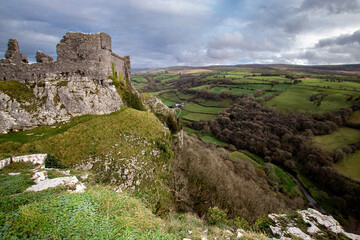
[[42, 57], [13, 51]]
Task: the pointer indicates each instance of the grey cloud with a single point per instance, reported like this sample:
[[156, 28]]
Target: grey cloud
[[197, 32], [332, 6], [237, 40], [338, 50], [340, 40], [297, 24]]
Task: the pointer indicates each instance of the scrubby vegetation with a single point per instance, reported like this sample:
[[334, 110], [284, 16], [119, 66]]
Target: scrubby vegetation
[[124, 88], [242, 189]]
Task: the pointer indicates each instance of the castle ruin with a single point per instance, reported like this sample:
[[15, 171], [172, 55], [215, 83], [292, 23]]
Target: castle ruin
[[77, 54], [77, 83]]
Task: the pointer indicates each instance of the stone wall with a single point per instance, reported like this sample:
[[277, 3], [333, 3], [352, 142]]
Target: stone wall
[[33, 158], [76, 84], [77, 54]]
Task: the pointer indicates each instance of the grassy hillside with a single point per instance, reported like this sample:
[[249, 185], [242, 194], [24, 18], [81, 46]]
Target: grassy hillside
[[342, 137], [350, 167], [99, 213], [129, 148]]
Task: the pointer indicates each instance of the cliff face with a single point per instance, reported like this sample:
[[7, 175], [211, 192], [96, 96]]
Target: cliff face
[[47, 92]]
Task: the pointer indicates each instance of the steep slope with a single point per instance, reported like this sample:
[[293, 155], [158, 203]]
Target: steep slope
[[129, 149]]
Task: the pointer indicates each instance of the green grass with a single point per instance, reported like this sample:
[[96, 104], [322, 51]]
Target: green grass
[[183, 97], [98, 213], [275, 173], [355, 117], [18, 167], [256, 86], [223, 103], [127, 139], [219, 89], [189, 131], [285, 180], [99, 134], [166, 77], [11, 184], [254, 157], [138, 79], [342, 137], [271, 78], [240, 156], [241, 91], [170, 78], [192, 107], [201, 87], [137, 87], [320, 196], [350, 86], [232, 89], [169, 96], [350, 167], [211, 139], [198, 116], [183, 113], [11, 143], [296, 99], [165, 101]]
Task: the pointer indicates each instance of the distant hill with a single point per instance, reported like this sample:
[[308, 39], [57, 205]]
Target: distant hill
[[348, 69]]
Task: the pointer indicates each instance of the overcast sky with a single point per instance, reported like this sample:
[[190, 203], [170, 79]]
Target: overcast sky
[[158, 33]]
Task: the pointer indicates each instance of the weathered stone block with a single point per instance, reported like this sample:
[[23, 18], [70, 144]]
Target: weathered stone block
[[33, 158], [13, 52], [43, 58], [4, 162], [24, 58]]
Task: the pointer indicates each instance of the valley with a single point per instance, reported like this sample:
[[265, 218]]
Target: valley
[[236, 146], [304, 120]]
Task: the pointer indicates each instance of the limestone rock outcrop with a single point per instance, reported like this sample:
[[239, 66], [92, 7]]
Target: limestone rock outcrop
[[47, 92], [314, 224]]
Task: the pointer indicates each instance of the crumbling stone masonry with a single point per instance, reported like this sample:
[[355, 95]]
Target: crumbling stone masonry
[[77, 54], [76, 84]]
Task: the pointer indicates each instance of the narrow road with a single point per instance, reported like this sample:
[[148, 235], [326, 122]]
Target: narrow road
[[311, 200]]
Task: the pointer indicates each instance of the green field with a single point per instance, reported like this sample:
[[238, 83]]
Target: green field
[[342, 137], [198, 116], [355, 117], [350, 86], [240, 156], [208, 103], [138, 79], [350, 167], [201, 87], [211, 139], [284, 180], [192, 107], [169, 96], [296, 99], [166, 77], [232, 89]]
